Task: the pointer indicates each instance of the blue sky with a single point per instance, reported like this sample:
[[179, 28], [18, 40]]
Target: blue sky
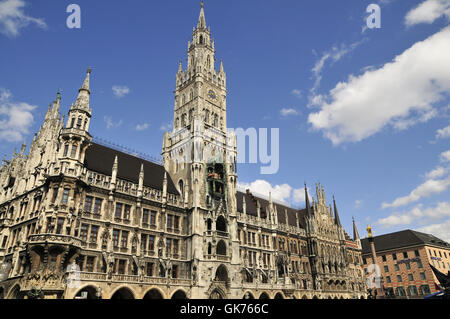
[[363, 111]]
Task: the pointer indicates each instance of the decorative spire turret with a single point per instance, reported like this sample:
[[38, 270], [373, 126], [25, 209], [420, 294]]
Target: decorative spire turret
[[355, 231], [201, 19], [336, 214], [141, 181], [308, 206], [56, 105], [85, 85], [115, 169], [22, 149], [84, 92], [165, 187]]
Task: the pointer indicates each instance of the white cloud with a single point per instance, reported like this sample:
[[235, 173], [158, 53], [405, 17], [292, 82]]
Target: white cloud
[[283, 193], [440, 211], [288, 112], [142, 127], [358, 204], [431, 186], [4, 95], [441, 231], [400, 94], [445, 156], [335, 54], [12, 18], [279, 192], [296, 92], [428, 11], [298, 195], [110, 123], [166, 127], [443, 133], [437, 172], [120, 91], [428, 188], [16, 118]]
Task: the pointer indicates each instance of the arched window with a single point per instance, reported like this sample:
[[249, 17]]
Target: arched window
[[221, 273], [183, 120], [209, 249], [177, 122], [221, 248], [191, 95], [181, 187], [280, 269], [207, 116], [11, 213], [216, 120], [79, 122], [74, 151], [209, 224], [221, 224], [183, 99], [201, 39], [66, 149]]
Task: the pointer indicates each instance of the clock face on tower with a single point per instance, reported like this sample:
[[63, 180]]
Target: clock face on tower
[[212, 94]]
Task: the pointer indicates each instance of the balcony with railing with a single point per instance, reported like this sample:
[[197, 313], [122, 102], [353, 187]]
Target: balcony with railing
[[74, 131], [123, 278], [129, 188], [55, 239]]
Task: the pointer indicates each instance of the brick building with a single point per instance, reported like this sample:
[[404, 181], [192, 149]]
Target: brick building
[[404, 258]]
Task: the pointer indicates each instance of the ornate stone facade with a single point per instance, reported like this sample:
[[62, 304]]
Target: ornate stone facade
[[137, 229]]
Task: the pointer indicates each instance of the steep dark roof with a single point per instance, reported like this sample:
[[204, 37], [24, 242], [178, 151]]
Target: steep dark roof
[[251, 207], [401, 239], [100, 159], [249, 203]]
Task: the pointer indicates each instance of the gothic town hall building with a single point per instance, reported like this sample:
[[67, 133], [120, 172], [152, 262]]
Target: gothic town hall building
[[79, 219]]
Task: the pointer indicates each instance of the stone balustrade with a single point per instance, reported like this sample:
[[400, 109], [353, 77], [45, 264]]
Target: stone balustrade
[[55, 238]]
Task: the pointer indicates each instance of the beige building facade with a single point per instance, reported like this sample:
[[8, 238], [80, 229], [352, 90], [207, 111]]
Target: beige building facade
[[81, 219]]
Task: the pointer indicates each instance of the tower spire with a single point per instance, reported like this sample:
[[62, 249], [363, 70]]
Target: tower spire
[[355, 231], [56, 104], [201, 19], [308, 206], [85, 85], [336, 215], [84, 92], [141, 180]]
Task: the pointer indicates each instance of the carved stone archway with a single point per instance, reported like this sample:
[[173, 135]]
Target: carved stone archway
[[123, 293], [154, 294], [264, 295]]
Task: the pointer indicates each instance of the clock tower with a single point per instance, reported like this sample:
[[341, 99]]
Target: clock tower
[[200, 156]]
